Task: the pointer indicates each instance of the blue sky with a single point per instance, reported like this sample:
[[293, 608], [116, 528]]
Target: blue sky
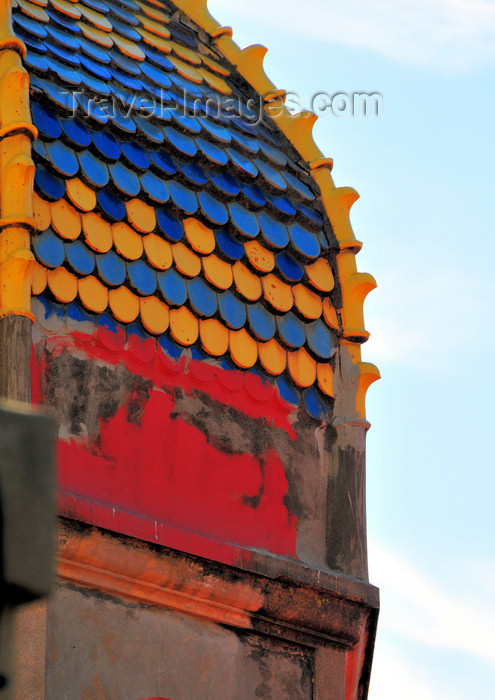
[[426, 215]]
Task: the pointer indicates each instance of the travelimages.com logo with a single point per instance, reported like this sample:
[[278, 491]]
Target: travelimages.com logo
[[250, 111]]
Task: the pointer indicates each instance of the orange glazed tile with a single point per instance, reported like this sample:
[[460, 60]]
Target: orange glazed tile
[[99, 20], [213, 65], [260, 258], [96, 35], [154, 27], [272, 357], [141, 215], [320, 275], [92, 293], [308, 303], [302, 367], [127, 242], [183, 326], [62, 284], [246, 282], [155, 41], [217, 272], [214, 337], [277, 293], [185, 260], [129, 48], [154, 14], [186, 70], [159, 252], [38, 279], [243, 348], [66, 221], [330, 315], [324, 374], [201, 238], [154, 315], [124, 304], [97, 232], [66, 8], [80, 194], [215, 81], [187, 54], [41, 212]]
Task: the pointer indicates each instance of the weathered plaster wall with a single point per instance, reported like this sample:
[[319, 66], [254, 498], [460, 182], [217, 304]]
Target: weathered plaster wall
[[100, 648]]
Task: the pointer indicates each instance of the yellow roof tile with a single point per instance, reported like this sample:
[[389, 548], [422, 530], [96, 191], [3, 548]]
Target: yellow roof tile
[[186, 70], [214, 66], [186, 53], [260, 258], [324, 374], [81, 196], [127, 242], [201, 238], [159, 252], [33, 11], [154, 14], [214, 337], [93, 294], [185, 260], [302, 367], [215, 81], [66, 8], [66, 221], [96, 18], [154, 27], [96, 35], [38, 279], [272, 357], [184, 326], [308, 303], [320, 275], [62, 284], [277, 293], [97, 232], [41, 212], [124, 304], [243, 348], [217, 272], [154, 315], [330, 315], [153, 40], [247, 284], [127, 47], [141, 215]]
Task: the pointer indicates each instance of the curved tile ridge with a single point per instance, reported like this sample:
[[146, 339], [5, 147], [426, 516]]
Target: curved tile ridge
[[336, 201], [16, 173]]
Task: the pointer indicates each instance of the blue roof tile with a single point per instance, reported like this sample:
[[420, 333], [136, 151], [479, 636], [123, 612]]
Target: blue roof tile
[[81, 260], [232, 310], [173, 287], [111, 205], [141, 277], [111, 268], [202, 298], [49, 249]]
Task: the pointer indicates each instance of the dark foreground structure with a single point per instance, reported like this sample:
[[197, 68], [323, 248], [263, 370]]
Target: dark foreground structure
[[178, 287]]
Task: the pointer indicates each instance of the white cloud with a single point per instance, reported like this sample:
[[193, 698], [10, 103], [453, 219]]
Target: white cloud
[[394, 677], [418, 608], [423, 320], [444, 34]]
